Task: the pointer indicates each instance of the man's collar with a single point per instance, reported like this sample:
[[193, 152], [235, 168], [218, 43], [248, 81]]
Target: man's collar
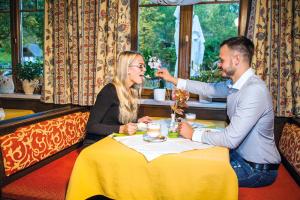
[[242, 80]]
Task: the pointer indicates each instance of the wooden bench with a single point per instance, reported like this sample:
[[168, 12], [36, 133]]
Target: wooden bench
[[38, 153]]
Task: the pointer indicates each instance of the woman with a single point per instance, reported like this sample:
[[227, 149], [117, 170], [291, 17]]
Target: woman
[[116, 106]]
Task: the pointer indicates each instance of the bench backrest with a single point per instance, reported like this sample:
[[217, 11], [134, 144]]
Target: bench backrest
[[289, 146], [32, 143]]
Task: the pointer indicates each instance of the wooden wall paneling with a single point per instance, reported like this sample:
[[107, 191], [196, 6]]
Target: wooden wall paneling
[[201, 113], [245, 6], [28, 104]]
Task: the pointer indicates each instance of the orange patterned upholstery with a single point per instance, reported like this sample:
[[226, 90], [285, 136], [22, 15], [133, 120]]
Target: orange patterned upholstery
[[33, 143], [289, 145]]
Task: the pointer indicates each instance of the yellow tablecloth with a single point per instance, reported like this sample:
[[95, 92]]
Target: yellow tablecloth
[[12, 113], [111, 169]]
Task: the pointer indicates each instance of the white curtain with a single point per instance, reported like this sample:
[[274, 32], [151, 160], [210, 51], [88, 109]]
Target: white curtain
[[198, 47]]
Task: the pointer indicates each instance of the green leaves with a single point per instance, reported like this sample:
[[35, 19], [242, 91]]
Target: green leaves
[[30, 70], [209, 76]]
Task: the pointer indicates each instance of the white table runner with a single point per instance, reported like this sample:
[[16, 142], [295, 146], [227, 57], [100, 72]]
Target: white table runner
[[152, 150]]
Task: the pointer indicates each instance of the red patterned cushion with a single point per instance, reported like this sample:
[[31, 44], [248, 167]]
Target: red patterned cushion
[[48, 182], [33, 143], [289, 145]]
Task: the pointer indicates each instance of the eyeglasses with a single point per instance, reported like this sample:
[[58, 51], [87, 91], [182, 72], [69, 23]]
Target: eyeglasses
[[140, 66]]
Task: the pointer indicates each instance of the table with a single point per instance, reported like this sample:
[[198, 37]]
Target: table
[[12, 113], [111, 169]]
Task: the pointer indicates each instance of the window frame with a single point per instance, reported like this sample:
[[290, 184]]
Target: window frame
[[16, 43], [184, 52]]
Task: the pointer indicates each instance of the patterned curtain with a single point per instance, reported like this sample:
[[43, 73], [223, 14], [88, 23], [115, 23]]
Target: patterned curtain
[[82, 41], [275, 31]]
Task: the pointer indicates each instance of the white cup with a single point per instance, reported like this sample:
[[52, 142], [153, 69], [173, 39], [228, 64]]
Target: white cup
[[190, 117], [142, 126], [160, 94]]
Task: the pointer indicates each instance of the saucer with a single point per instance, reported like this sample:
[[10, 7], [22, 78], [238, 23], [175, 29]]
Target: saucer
[[147, 138]]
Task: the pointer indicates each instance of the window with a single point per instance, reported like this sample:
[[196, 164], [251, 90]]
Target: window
[[5, 36], [185, 38], [22, 32], [32, 30]]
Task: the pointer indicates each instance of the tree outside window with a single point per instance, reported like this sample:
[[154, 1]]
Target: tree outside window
[[159, 34], [22, 33]]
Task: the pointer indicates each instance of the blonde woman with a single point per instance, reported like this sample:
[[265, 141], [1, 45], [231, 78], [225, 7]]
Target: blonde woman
[[116, 106]]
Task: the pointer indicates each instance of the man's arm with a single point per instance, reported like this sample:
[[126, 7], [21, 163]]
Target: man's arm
[[218, 90], [249, 109]]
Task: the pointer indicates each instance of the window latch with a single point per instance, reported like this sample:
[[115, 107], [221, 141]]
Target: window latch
[[186, 38]]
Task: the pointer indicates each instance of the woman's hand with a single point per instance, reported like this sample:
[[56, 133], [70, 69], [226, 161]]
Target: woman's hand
[[186, 130], [129, 128], [145, 119]]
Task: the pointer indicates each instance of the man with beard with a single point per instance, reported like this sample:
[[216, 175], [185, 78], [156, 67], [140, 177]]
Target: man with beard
[[249, 136]]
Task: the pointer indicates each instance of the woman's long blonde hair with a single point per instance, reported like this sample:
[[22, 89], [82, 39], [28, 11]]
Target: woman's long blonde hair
[[128, 107]]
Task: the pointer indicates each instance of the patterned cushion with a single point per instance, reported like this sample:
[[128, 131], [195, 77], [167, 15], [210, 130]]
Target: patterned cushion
[[289, 145], [49, 182], [33, 143]]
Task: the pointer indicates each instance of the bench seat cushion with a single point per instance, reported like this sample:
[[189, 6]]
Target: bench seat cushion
[[46, 183], [283, 188]]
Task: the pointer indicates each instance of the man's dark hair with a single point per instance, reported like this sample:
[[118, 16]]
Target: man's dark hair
[[242, 45]]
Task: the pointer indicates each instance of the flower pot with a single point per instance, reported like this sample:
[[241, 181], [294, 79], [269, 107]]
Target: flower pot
[[29, 86], [160, 94]]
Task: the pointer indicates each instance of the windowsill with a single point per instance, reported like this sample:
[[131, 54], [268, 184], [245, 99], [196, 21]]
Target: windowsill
[[21, 96], [198, 104]]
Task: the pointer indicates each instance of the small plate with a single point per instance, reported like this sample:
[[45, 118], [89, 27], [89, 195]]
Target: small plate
[[147, 138]]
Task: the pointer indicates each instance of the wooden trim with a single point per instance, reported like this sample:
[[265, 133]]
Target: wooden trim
[[184, 57], [202, 2], [245, 6], [8, 126], [165, 111], [15, 41], [134, 15]]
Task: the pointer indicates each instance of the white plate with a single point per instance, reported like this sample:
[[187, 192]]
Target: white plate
[[147, 138]]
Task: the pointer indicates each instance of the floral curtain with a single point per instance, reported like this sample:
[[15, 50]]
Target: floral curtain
[[275, 31], [82, 41]]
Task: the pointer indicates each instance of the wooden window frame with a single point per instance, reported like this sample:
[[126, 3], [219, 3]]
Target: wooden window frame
[[16, 43], [185, 31]]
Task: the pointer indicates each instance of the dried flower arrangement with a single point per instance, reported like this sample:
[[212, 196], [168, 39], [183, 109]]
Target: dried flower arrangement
[[180, 97]]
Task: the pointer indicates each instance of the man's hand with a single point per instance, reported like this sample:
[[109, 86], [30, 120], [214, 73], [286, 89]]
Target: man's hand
[[145, 119], [129, 128], [186, 130], [164, 74]]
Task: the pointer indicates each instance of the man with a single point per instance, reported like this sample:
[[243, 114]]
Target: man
[[250, 136]]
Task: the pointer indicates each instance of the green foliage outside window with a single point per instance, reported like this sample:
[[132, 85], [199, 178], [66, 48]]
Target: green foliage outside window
[[156, 35], [32, 28], [157, 27], [217, 23]]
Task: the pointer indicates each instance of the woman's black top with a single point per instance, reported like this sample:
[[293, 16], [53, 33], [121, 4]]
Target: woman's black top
[[104, 116]]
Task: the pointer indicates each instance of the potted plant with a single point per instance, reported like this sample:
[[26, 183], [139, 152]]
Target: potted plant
[[211, 74], [30, 73], [159, 91]]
